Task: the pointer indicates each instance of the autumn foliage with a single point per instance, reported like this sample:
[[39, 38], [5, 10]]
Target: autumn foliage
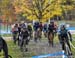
[[41, 10]]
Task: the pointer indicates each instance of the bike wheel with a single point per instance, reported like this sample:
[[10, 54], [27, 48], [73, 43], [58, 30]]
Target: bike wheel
[[9, 56], [67, 51]]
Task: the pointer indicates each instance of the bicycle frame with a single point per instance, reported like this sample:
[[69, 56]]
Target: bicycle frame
[[67, 49]]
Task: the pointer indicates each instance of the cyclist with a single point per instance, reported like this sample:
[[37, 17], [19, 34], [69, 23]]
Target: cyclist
[[51, 27], [36, 26], [45, 28], [51, 33], [24, 35], [40, 29], [64, 35], [40, 26], [29, 27], [15, 32]]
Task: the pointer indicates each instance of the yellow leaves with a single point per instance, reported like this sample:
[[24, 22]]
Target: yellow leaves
[[25, 9], [24, 15], [49, 12], [48, 8], [5, 2], [68, 7], [47, 15], [56, 13], [32, 17], [17, 10]]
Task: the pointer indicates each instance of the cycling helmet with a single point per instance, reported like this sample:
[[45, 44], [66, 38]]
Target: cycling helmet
[[63, 26]]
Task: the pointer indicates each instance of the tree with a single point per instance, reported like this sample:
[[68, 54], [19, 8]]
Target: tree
[[67, 6], [42, 10], [7, 10]]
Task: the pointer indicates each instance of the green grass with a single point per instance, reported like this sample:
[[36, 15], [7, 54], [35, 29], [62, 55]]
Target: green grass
[[73, 42], [15, 52], [73, 50], [6, 35]]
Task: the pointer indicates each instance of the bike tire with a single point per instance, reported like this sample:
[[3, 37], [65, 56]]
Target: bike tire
[[67, 51]]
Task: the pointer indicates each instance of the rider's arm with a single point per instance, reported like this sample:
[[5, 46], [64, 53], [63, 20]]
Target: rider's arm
[[70, 35]]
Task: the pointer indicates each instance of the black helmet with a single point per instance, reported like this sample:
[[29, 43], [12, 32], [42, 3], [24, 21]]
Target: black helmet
[[63, 26]]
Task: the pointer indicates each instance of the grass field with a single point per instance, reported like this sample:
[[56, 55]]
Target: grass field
[[73, 42], [16, 53]]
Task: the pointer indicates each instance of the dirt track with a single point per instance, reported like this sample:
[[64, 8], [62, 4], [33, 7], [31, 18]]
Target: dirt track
[[41, 47]]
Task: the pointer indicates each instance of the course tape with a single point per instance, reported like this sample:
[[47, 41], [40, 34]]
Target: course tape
[[50, 55]]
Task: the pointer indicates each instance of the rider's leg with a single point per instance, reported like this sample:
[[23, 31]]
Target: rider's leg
[[14, 38], [48, 39], [68, 44], [69, 47], [63, 46], [26, 43], [53, 40], [35, 39], [49, 42], [39, 37], [35, 36], [22, 42], [18, 41], [67, 40]]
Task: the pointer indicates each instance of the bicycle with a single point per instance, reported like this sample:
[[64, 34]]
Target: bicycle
[[67, 50]]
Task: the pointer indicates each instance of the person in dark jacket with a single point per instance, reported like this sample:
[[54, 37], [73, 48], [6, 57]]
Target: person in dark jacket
[[24, 35], [15, 33], [51, 27], [41, 26], [51, 33], [45, 29], [64, 35], [36, 26]]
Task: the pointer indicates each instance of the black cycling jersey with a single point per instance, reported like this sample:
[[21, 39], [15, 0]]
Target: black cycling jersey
[[25, 34], [50, 28]]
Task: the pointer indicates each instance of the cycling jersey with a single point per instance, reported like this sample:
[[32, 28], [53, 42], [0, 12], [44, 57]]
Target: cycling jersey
[[51, 28]]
